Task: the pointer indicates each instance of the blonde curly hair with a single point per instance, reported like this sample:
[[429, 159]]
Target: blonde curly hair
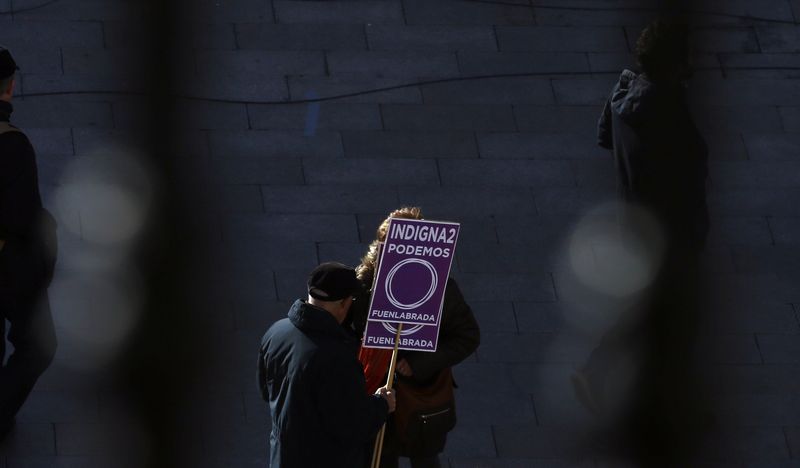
[[366, 270]]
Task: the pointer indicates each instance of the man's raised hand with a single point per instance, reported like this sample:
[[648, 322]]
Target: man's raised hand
[[388, 395]]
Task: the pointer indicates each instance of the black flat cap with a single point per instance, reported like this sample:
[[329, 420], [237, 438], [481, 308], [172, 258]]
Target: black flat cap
[[332, 281], [7, 64]]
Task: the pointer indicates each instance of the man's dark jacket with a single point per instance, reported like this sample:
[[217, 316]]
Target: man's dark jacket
[[22, 266], [661, 158], [322, 415]]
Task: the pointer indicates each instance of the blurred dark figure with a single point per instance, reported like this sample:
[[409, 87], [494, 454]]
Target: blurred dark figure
[[162, 365], [661, 162], [27, 258]]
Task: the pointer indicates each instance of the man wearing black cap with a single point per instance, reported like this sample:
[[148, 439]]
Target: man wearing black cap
[[308, 371], [25, 267]]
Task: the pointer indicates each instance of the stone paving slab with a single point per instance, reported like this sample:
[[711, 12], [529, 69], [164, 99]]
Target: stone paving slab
[[522, 172], [471, 441], [779, 348], [381, 172], [348, 253], [779, 174], [277, 144], [593, 174], [54, 34], [759, 318], [754, 202], [744, 92], [57, 113], [421, 12], [561, 39], [538, 146], [728, 146], [770, 9], [530, 441], [408, 64], [228, 11], [59, 462], [409, 144], [102, 62], [727, 40], [783, 229], [780, 39], [564, 200], [346, 12], [339, 199], [81, 10], [264, 36], [750, 119], [302, 87], [516, 463], [537, 91], [608, 17], [772, 146], [769, 379], [60, 406], [473, 63], [780, 260], [538, 317], [30, 439], [387, 37], [495, 317], [215, 36], [442, 117], [212, 115], [256, 87], [56, 82], [38, 60], [555, 119], [747, 443], [331, 116], [508, 258], [296, 227], [506, 286], [275, 62], [51, 141], [583, 91], [732, 349], [760, 410], [465, 201]]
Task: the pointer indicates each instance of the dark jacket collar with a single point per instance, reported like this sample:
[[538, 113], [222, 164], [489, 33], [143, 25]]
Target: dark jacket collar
[[5, 111], [307, 317], [637, 98]]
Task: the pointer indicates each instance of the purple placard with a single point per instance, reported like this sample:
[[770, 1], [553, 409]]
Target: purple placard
[[412, 337], [413, 271]]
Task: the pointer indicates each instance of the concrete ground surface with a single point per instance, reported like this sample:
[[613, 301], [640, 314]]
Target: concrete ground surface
[[281, 187]]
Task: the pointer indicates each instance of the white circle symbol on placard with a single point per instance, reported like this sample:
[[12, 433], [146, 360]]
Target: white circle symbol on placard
[[425, 298], [404, 331]]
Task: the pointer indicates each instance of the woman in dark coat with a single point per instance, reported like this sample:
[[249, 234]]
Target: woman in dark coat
[[459, 336]]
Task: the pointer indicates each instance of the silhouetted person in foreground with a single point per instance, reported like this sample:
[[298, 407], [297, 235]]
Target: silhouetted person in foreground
[[27, 258], [661, 162]]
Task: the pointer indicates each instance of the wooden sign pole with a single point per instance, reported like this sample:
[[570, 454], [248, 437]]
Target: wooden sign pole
[[376, 454]]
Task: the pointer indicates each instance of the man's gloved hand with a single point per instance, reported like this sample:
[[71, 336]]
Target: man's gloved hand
[[388, 395]]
